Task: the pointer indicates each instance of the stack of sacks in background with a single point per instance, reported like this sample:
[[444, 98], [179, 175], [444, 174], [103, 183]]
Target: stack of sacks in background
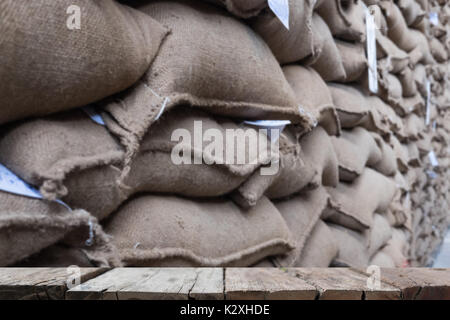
[[357, 184]]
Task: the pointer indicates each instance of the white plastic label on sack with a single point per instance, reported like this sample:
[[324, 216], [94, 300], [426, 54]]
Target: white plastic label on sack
[[434, 18], [371, 51], [11, 183], [271, 126], [94, 115], [281, 9], [427, 114], [433, 160]]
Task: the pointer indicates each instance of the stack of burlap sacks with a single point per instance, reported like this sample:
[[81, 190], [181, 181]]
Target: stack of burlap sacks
[[355, 186]]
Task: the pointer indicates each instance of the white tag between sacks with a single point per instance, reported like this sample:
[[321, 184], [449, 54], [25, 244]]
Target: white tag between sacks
[[272, 126], [433, 160], [281, 9], [94, 115], [427, 114], [11, 183], [371, 51], [434, 18]]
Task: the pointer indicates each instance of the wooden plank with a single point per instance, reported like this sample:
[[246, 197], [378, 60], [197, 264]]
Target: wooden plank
[[345, 284], [40, 283], [418, 283], [265, 284], [153, 283]]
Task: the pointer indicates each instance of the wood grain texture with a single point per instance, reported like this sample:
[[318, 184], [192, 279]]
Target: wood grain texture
[[40, 283], [266, 284], [153, 283], [345, 284], [418, 283]]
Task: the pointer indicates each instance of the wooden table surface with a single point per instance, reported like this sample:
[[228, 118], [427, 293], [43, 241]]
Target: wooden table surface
[[224, 283]]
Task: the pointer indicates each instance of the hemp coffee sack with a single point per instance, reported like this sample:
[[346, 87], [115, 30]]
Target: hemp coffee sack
[[242, 8], [220, 65], [298, 42], [350, 104], [406, 78], [345, 19], [373, 193], [412, 12], [311, 163], [329, 62], [379, 234], [354, 59], [388, 161], [352, 246], [382, 260], [48, 67], [28, 225], [301, 214], [398, 30], [320, 248], [313, 96], [82, 164], [389, 54], [168, 231], [355, 149]]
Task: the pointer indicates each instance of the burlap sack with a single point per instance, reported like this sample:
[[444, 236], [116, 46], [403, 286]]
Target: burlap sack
[[168, 231], [301, 214], [86, 175], [420, 78], [388, 162], [355, 149], [345, 19], [354, 59], [422, 42], [382, 260], [413, 155], [352, 247], [412, 12], [320, 248], [379, 234], [401, 153], [384, 117], [57, 256], [397, 248], [398, 30], [265, 263], [313, 96], [414, 126], [298, 42], [220, 65], [391, 55], [390, 90], [415, 56], [48, 67], [329, 62], [424, 144], [314, 164], [242, 8], [438, 50], [373, 191], [29, 225], [406, 78], [49, 151], [350, 105]]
